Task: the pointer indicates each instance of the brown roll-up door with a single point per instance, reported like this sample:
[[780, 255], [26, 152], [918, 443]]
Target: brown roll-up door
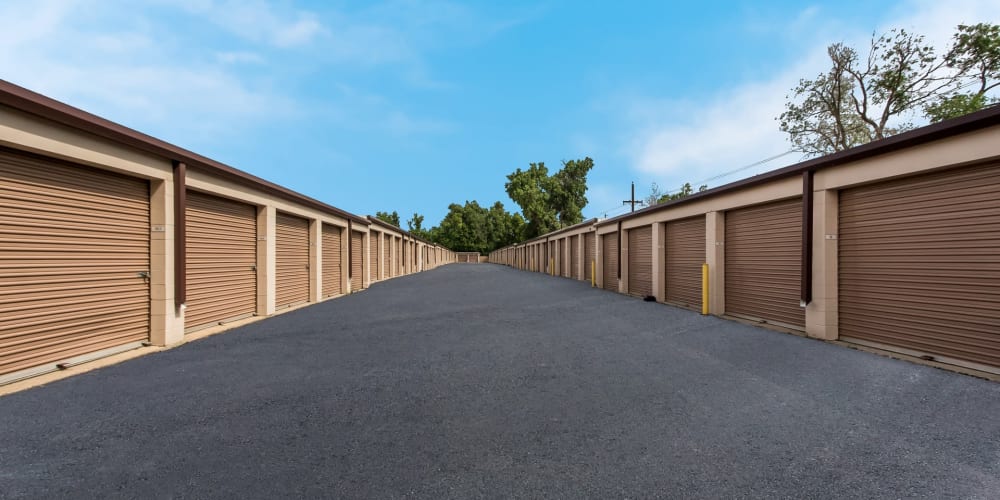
[[763, 249], [74, 246], [221, 260], [609, 249], [640, 261], [589, 249], [291, 283], [386, 256], [333, 283], [574, 259], [373, 240], [357, 260], [919, 264], [685, 254]]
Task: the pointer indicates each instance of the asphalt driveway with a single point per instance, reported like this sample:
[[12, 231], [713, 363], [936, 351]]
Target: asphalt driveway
[[481, 381]]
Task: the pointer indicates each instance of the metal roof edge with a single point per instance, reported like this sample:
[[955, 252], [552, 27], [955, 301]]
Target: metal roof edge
[[380, 222], [948, 128], [31, 102], [592, 220]]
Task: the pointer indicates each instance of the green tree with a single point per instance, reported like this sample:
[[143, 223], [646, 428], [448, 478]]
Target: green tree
[[416, 226], [684, 191], [463, 228], [502, 227], [550, 202], [975, 56], [474, 228], [568, 190], [392, 218], [655, 193], [529, 189], [864, 98]]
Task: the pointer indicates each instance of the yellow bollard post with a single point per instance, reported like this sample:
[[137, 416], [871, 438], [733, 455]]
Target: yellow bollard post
[[704, 288], [552, 265], [593, 273]]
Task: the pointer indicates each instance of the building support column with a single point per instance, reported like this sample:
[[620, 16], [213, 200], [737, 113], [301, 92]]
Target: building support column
[[623, 255], [366, 260], [599, 260], [821, 313], [659, 263], [715, 257], [345, 259], [315, 260], [166, 319], [266, 259]]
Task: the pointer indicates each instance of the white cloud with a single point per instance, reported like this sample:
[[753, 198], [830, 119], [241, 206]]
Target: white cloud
[[937, 20], [606, 199], [126, 61], [297, 33], [685, 140], [402, 124], [735, 128], [77, 53], [256, 20], [239, 57]]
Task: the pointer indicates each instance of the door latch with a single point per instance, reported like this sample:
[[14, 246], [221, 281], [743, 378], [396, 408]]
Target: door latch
[[144, 275]]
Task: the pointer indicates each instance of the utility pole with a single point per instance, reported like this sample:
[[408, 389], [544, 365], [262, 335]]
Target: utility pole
[[633, 201]]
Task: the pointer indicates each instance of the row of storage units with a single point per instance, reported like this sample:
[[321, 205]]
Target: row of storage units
[[110, 239], [893, 245], [468, 257]]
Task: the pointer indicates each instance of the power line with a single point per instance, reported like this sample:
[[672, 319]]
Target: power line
[[737, 170], [621, 208]]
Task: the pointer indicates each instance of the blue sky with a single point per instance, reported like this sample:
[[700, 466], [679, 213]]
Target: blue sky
[[412, 105]]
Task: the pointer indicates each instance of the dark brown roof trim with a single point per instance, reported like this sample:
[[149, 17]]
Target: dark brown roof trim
[[379, 222], [34, 103], [559, 231], [974, 121], [382, 223]]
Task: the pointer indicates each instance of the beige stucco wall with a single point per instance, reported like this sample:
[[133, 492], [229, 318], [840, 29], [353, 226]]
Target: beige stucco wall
[[29, 133], [821, 313]]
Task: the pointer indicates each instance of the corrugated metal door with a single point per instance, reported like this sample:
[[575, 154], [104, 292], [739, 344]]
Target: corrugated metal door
[[291, 271], [574, 260], [387, 256], [373, 240], [763, 249], [357, 260], [221, 260], [332, 273], [589, 249], [74, 243], [685, 254], [610, 261], [920, 264], [640, 261]]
